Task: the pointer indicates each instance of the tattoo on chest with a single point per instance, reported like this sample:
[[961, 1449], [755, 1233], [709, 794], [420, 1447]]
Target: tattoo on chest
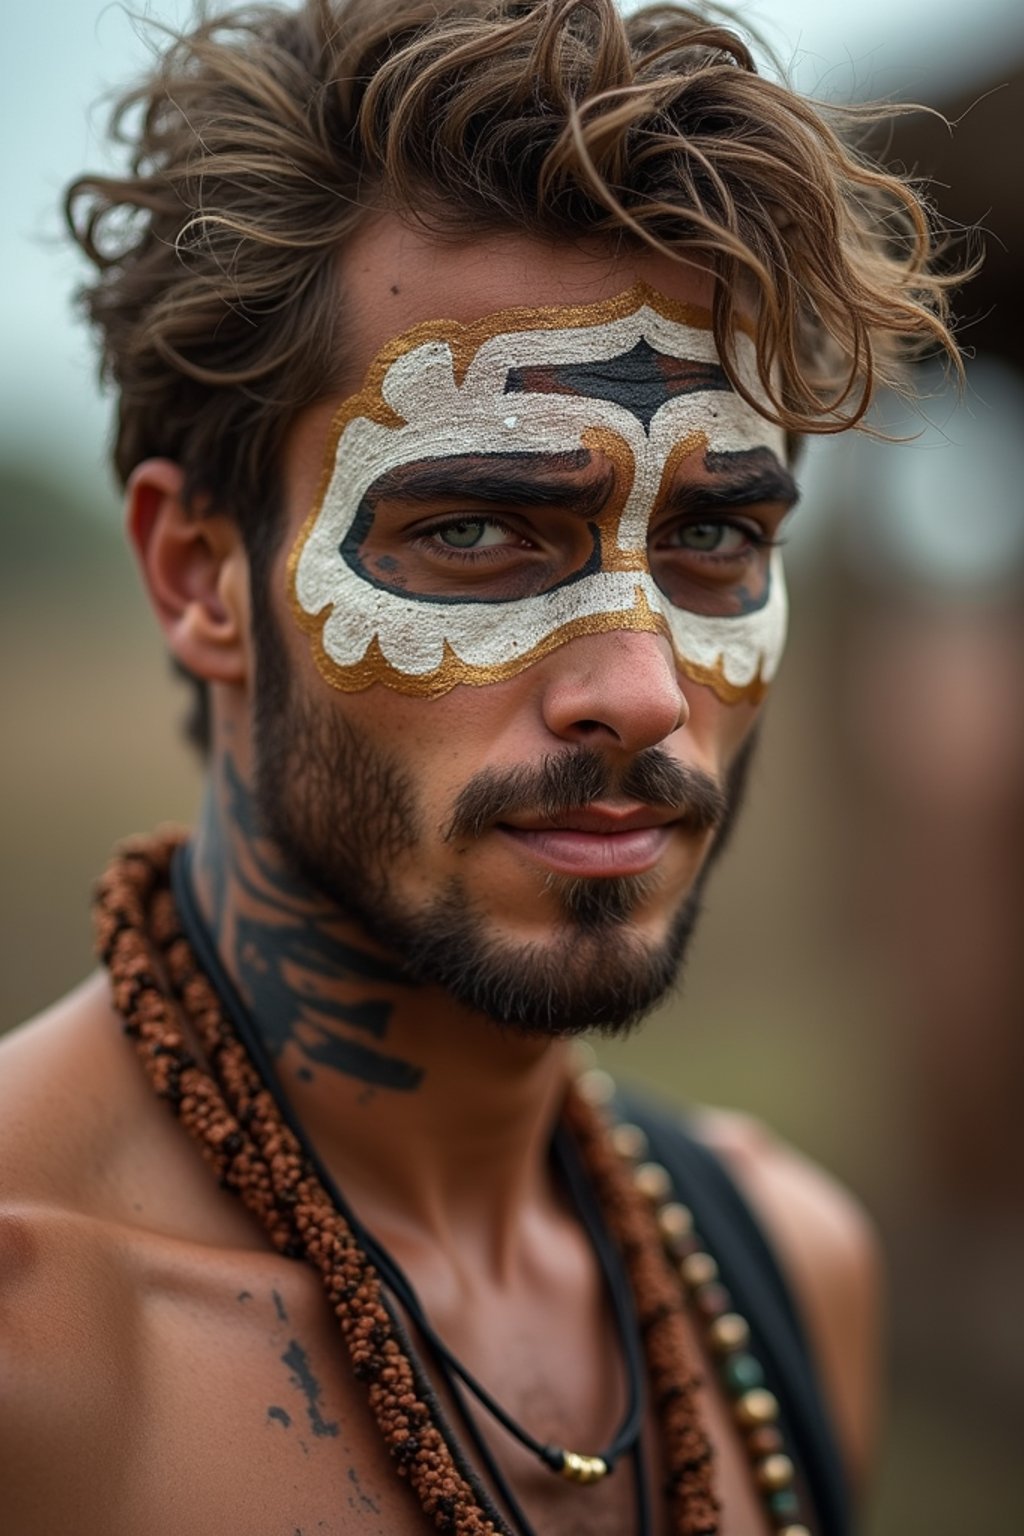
[[302, 1377], [290, 958], [359, 1499]]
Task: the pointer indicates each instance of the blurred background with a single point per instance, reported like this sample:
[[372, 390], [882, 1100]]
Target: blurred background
[[859, 981]]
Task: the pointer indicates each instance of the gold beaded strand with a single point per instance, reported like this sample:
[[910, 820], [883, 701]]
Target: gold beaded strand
[[755, 1409]]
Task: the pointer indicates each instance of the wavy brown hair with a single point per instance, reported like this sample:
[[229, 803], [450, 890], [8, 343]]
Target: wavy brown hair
[[264, 137]]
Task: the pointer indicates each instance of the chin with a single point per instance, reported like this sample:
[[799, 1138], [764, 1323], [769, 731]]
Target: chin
[[599, 964], [561, 911]]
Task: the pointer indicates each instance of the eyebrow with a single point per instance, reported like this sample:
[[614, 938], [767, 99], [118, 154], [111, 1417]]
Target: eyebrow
[[744, 479], [530, 479]]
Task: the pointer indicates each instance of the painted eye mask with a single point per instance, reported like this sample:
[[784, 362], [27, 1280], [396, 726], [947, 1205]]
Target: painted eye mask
[[499, 489]]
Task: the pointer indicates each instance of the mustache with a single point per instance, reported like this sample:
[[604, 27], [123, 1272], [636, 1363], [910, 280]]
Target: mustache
[[572, 780]]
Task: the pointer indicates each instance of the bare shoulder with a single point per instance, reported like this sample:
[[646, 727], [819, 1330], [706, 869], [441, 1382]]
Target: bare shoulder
[[116, 1252], [65, 1316], [68, 1361], [146, 1326], [829, 1251], [65, 1081], [81, 1130]]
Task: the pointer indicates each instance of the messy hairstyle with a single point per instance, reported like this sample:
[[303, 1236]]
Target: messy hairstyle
[[264, 138]]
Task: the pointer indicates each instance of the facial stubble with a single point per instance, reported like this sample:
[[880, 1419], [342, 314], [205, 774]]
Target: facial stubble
[[343, 812]]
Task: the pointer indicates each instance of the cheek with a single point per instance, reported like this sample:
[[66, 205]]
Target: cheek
[[300, 656], [437, 743], [718, 730], [440, 740]]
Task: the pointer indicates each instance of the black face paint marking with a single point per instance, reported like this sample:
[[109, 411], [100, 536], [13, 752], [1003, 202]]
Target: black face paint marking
[[244, 1296], [297, 1361], [279, 1307], [280, 1416], [641, 380], [749, 602]]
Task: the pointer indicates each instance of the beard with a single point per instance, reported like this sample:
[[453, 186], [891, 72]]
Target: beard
[[343, 811]]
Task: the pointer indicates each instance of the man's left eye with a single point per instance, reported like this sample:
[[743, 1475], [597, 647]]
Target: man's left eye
[[709, 538]]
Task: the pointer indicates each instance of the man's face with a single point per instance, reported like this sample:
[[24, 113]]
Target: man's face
[[524, 615]]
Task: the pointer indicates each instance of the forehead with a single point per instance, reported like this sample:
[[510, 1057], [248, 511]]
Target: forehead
[[637, 349], [639, 372], [395, 277]]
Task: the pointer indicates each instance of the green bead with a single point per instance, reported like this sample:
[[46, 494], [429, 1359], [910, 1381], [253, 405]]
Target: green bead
[[783, 1504], [741, 1372]]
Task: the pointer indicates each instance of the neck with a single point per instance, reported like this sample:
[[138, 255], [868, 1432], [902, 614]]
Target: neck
[[429, 1116]]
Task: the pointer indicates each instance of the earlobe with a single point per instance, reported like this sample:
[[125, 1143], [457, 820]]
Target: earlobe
[[195, 571]]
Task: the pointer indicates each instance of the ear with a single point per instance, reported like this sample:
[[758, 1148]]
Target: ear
[[195, 570]]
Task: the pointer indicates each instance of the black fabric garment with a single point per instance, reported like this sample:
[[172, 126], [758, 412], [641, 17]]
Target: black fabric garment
[[751, 1274]]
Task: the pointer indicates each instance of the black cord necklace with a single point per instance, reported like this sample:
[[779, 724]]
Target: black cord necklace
[[459, 1380]]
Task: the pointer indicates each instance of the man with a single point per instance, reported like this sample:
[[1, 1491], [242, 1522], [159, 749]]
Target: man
[[460, 354]]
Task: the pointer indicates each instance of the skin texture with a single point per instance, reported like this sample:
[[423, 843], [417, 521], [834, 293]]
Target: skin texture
[[187, 1379]]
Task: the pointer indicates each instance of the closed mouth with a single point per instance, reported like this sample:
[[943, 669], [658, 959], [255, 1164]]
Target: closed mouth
[[595, 842]]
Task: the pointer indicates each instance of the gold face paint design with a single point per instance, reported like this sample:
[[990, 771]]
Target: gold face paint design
[[517, 410]]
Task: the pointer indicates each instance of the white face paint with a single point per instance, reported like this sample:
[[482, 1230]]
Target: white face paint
[[637, 381]]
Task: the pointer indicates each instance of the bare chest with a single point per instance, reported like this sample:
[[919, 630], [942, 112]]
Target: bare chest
[[245, 1419]]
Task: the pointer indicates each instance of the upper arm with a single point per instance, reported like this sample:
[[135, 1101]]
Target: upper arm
[[829, 1252], [66, 1305], [67, 1361]]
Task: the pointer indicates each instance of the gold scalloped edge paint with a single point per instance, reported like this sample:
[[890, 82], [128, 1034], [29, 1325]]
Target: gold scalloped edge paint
[[452, 671]]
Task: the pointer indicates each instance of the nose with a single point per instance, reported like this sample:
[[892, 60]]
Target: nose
[[618, 689]]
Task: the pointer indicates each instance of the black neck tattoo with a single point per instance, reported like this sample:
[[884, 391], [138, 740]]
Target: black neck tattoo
[[291, 955]]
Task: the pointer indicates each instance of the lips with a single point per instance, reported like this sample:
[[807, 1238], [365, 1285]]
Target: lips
[[600, 840]]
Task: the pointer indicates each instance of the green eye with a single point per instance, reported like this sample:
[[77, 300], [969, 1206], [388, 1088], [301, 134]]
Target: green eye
[[461, 535], [710, 538], [472, 533], [702, 536]]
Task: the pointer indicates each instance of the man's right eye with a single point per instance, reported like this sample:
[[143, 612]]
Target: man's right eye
[[472, 533]]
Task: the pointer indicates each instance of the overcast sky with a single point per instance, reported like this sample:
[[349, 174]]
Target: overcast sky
[[61, 55]]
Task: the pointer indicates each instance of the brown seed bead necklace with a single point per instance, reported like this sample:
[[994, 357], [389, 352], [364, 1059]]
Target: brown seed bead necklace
[[158, 985]]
